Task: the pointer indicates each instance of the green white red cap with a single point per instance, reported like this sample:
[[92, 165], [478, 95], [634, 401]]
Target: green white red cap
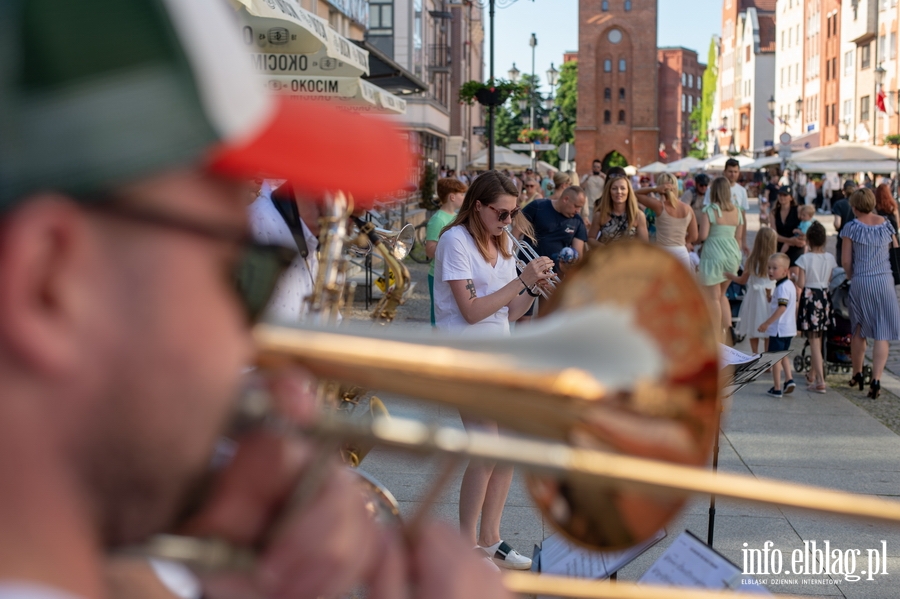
[[95, 93]]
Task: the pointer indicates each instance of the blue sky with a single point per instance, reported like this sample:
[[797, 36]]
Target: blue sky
[[556, 24]]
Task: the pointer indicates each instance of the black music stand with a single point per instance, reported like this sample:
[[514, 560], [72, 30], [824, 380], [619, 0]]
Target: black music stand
[[739, 375]]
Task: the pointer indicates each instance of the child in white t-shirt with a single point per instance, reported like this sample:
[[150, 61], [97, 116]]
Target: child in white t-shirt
[[781, 326]]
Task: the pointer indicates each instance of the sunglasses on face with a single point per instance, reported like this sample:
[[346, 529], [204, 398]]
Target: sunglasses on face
[[502, 215], [255, 270]]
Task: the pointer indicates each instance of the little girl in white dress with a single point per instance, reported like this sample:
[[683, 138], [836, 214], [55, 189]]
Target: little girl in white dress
[[755, 307]]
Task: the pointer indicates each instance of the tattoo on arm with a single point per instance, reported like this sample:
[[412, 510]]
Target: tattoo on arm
[[471, 287]]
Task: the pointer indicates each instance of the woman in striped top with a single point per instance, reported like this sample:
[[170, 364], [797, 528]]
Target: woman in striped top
[[874, 312]]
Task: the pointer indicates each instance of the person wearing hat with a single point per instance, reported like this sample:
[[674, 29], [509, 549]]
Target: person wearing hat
[[843, 213], [128, 134]]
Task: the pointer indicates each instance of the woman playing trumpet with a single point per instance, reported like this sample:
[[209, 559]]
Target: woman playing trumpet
[[476, 290]]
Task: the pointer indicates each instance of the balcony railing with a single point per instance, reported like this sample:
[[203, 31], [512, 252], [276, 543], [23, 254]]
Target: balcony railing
[[439, 58]]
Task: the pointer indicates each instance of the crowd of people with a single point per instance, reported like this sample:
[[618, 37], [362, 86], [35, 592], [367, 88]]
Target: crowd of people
[[786, 275]]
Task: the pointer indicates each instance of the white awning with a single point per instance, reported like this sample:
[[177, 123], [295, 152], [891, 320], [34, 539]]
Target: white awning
[[285, 28], [350, 93]]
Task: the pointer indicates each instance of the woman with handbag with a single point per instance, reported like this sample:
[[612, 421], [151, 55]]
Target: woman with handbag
[[874, 312]]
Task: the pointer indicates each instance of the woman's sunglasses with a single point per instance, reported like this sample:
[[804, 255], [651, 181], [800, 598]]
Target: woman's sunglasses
[[502, 215]]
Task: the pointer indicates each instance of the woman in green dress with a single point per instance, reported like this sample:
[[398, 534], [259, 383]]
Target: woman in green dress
[[720, 228]]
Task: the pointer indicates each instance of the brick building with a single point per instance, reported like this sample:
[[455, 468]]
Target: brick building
[[617, 81], [680, 82]]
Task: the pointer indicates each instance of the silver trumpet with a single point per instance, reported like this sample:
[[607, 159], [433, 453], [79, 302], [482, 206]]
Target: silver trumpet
[[523, 248]]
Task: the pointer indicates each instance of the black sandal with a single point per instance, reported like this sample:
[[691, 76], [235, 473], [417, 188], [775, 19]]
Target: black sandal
[[857, 379], [874, 389]]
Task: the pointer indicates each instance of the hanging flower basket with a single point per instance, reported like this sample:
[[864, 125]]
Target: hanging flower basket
[[492, 93], [540, 136]]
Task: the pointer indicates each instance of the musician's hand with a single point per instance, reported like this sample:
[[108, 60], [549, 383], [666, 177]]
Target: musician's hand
[[322, 549], [538, 269]]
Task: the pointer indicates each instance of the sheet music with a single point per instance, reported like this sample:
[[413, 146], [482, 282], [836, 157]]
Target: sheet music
[[732, 356], [689, 562], [560, 557]]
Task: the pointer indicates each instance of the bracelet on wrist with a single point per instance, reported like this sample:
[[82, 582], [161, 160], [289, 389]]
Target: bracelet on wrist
[[528, 289]]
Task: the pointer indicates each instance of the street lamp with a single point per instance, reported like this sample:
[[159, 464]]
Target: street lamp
[[549, 102], [533, 43], [799, 105], [552, 76], [523, 104], [771, 105], [513, 73]]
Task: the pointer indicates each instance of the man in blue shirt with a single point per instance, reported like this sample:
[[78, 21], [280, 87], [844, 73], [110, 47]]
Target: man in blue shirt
[[558, 223]]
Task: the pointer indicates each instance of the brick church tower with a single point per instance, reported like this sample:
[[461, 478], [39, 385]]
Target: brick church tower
[[617, 81]]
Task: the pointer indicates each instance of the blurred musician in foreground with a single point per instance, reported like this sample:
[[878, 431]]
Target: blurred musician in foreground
[[124, 135]]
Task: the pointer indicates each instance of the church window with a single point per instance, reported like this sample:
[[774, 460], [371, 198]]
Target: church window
[[607, 94], [627, 5], [621, 116], [621, 93], [607, 117], [607, 66], [604, 6], [621, 65], [614, 36]]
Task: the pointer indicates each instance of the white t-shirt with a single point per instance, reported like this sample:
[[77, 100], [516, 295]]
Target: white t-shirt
[[738, 197], [818, 269], [457, 259], [785, 294], [288, 301]]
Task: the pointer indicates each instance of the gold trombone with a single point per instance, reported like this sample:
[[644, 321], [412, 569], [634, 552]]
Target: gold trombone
[[618, 388]]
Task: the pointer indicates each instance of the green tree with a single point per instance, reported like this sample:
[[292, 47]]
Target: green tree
[[702, 114], [511, 119], [562, 127], [508, 125]]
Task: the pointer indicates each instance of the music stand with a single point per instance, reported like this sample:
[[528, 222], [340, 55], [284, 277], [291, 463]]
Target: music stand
[[738, 375]]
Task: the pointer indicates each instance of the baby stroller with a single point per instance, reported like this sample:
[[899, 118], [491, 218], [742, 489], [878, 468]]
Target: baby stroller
[[836, 343]]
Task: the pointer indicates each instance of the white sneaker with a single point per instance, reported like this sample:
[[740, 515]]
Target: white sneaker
[[507, 557]]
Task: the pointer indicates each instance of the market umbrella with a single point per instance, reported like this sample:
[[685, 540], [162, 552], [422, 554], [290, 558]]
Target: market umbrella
[[653, 168], [503, 158], [845, 151], [546, 167], [880, 166], [717, 162], [763, 162], [684, 165]]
